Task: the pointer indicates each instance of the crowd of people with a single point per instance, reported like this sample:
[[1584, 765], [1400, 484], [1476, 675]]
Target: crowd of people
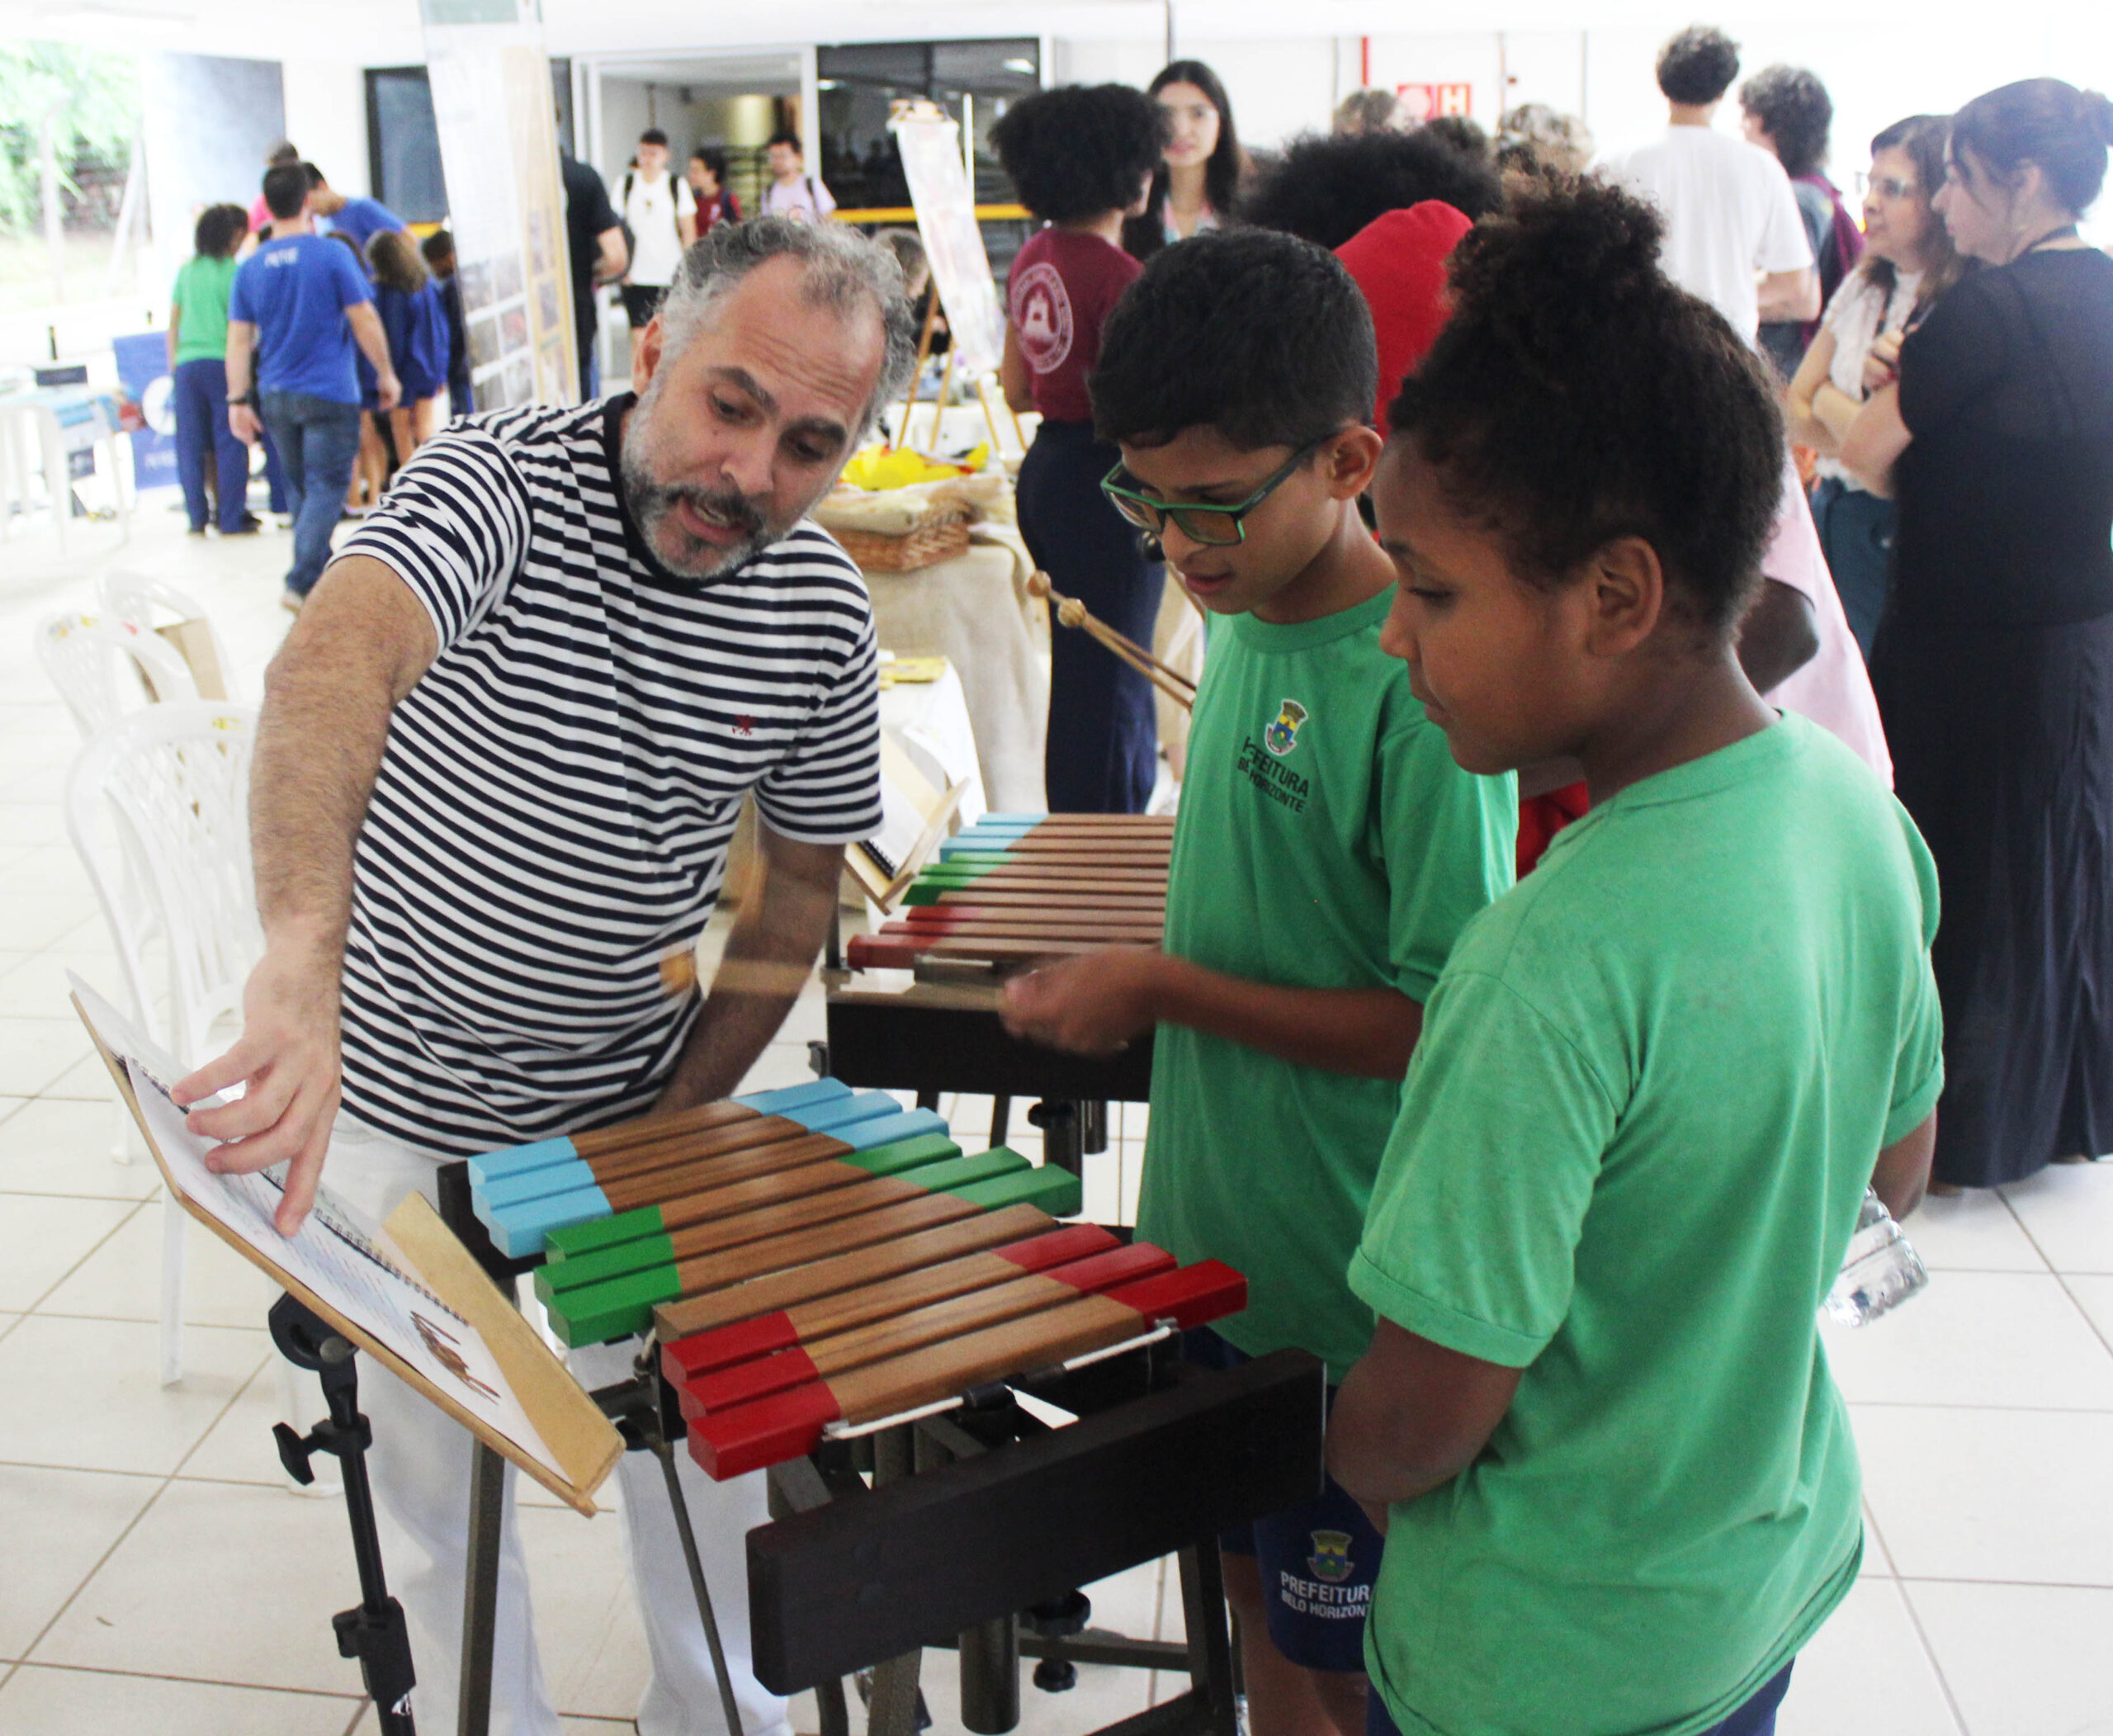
[[315, 326], [1859, 475], [1551, 969]]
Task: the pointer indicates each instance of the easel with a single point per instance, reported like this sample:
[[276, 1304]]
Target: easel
[[983, 384]]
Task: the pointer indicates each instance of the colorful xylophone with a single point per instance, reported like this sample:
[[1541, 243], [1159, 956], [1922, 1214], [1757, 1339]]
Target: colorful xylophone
[[816, 1255], [1015, 887]]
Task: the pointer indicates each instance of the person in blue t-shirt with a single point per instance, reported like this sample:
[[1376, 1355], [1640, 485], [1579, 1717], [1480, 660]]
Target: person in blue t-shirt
[[415, 323], [360, 218], [299, 305]]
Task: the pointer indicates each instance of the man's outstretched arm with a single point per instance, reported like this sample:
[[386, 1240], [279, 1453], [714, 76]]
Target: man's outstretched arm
[[772, 948], [359, 646]]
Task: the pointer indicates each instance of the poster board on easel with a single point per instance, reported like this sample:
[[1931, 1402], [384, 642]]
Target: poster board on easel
[[930, 142], [414, 1299]]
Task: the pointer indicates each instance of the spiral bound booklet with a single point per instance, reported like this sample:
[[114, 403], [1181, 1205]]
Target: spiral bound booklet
[[412, 1296]]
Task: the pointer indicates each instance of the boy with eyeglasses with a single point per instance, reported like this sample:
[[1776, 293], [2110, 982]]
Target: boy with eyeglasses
[[1328, 852]]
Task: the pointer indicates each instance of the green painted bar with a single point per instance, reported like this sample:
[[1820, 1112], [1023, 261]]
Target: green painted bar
[[598, 1312], [579, 1238], [1056, 1191], [553, 1281], [617, 1307], [943, 1169]]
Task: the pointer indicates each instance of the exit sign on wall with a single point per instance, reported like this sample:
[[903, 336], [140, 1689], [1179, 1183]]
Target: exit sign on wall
[[1428, 102]]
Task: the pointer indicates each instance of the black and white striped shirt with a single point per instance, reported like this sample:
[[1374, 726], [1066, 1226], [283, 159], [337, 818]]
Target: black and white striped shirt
[[555, 800]]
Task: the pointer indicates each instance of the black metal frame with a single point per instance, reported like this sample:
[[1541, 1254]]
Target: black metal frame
[[897, 1043], [981, 1513]]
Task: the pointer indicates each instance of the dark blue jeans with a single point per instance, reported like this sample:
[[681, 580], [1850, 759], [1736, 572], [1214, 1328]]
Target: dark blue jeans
[[1756, 1718], [1856, 529], [319, 441], [199, 395], [275, 474], [1103, 755]]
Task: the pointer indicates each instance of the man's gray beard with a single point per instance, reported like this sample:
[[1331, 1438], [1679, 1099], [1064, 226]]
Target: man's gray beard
[[653, 503]]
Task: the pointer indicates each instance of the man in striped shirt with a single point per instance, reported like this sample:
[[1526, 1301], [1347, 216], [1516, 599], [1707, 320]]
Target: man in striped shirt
[[499, 763]]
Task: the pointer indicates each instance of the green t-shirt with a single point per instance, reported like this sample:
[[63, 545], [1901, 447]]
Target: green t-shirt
[[1634, 1138], [201, 300], [1326, 841]]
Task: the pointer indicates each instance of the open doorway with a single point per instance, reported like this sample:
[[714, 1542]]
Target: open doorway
[[732, 101]]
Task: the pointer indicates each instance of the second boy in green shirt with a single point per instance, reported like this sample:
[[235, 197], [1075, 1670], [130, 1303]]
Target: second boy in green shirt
[[1329, 852]]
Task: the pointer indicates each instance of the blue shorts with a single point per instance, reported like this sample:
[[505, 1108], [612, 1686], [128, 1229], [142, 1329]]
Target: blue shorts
[[1318, 1560], [1756, 1718]]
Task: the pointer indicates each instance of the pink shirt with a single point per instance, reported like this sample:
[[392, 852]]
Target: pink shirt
[[1832, 690]]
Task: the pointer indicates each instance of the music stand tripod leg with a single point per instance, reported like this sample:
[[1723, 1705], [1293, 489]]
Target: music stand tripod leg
[[480, 1589], [374, 1632]]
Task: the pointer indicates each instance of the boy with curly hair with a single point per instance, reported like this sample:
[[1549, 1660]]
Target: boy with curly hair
[[1081, 159]]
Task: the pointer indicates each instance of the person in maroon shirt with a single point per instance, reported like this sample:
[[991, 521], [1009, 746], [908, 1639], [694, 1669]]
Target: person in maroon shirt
[[1081, 159], [707, 175]]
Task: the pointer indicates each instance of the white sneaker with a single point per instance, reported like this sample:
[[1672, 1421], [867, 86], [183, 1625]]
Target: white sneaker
[[291, 600]]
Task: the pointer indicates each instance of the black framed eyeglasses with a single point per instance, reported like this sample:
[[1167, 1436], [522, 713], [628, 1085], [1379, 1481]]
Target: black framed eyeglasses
[[1220, 526]]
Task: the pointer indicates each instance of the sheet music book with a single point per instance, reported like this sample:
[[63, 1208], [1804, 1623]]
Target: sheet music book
[[414, 1296]]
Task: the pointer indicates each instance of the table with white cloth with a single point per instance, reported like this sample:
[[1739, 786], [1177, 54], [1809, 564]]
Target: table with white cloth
[[975, 611], [929, 720]]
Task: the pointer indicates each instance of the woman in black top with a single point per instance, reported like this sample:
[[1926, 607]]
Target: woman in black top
[[1994, 669]]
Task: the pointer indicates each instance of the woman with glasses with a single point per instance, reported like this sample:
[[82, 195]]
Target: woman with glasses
[[1994, 669], [1908, 262], [1080, 158]]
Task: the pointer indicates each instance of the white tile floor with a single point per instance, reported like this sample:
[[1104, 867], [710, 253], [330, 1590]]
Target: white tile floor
[[155, 1574]]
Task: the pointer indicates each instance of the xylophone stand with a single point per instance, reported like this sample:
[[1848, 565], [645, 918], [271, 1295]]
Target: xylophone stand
[[1071, 1130], [375, 1631], [634, 1406]]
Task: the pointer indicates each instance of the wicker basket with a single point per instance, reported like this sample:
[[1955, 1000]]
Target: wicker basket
[[942, 539]]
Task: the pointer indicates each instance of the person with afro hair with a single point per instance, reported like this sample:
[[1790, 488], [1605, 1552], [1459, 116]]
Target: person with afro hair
[[1656, 1079], [1325, 188], [1389, 205], [1732, 232], [1081, 159]]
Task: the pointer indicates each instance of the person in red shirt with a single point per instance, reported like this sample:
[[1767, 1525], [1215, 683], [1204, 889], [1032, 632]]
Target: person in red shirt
[[1392, 207], [1081, 159], [707, 175]]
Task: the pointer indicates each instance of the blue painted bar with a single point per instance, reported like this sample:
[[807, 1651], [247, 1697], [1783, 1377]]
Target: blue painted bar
[[520, 1233], [786, 1098], [543, 1153]]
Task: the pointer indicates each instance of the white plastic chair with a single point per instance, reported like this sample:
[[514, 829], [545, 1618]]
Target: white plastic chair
[[138, 597], [103, 668], [173, 780]]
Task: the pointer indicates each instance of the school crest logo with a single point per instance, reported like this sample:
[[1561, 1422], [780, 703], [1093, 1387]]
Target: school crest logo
[[1330, 1563], [1282, 736], [1041, 316]]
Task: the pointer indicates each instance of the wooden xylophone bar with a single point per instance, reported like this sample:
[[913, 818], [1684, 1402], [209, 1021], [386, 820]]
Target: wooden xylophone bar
[[1000, 895], [689, 1220]]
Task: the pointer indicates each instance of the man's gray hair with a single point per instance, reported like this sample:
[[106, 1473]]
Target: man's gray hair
[[840, 270]]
